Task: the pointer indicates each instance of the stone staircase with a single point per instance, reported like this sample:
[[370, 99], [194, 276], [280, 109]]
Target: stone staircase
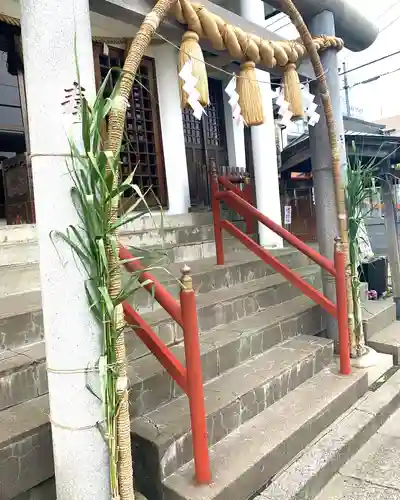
[[271, 385]]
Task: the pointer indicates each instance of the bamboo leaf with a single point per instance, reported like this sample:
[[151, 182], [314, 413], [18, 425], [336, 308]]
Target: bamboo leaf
[[108, 302], [123, 220], [85, 113], [103, 254]]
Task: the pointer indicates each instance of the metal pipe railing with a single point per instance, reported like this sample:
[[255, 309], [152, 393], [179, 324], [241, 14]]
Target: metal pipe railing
[[337, 268], [245, 207], [190, 379]]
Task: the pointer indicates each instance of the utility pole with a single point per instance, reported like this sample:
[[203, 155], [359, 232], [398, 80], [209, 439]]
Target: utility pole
[[346, 90], [50, 29], [324, 189]]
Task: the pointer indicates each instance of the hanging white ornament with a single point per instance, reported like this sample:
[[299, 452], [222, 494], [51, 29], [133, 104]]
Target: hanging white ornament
[[314, 119], [283, 111], [189, 87], [310, 107], [230, 90]]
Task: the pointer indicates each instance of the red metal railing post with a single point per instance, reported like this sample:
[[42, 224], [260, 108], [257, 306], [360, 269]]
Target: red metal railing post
[[341, 304], [248, 195], [194, 377], [216, 211]]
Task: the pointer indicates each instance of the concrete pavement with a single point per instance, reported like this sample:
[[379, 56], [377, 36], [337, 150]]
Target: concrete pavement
[[374, 471]]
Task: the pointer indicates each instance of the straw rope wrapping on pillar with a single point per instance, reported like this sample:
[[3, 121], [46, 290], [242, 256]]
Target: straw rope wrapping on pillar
[[116, 128], [252, 50]]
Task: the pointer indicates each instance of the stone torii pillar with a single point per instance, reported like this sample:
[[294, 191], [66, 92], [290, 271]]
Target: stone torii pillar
[[72, 336]]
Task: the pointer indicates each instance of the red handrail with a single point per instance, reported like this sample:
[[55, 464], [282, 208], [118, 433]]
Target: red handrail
[[156, 346], [228, 184], [287, 273], [190, 379], [160, 293], [244, 206], [246, 195], [336, 268]]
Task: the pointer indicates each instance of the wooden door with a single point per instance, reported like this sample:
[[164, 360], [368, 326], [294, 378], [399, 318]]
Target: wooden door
[[205, 140], [304, 224], [142, 146]]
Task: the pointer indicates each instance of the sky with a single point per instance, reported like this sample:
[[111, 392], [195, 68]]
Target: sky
[[379, 99]]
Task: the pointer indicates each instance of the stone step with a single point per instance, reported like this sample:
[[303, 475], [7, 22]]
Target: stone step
[[377, 315], [387, 341], [18, 233], [27, 232], [19, 253], [170, 253], [239, 267], [26, 453], [223, 306], [19, 266], [311, 470], [19, 278], [156, 220], [170, 236], [162, 438], [19, 244], [222, 349], [23, 374], [21, 320], [21, 317], [251, 455]]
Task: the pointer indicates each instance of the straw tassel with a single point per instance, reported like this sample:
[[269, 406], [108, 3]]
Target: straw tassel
[[250, 98], [292, 90], [191, 50]]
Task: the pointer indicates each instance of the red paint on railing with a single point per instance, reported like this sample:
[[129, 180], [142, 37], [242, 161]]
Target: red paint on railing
[[285, 271], [195, 384], [246, 194], [228, 185], [341, 304], [238, 202], [216, 210], [244, 206], [161, 294], [190, 378], [156, 346]]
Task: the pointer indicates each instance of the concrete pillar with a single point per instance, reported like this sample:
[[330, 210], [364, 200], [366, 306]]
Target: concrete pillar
[[234, 135], [73, 338], [327, 228], [263, 143], [388, 197], [172, 129], [253, 10]]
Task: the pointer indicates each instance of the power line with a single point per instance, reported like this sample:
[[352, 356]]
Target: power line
[[390, 24], [374, 78], [387, 10], [284, 26], [277, 19], [370, 62]]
